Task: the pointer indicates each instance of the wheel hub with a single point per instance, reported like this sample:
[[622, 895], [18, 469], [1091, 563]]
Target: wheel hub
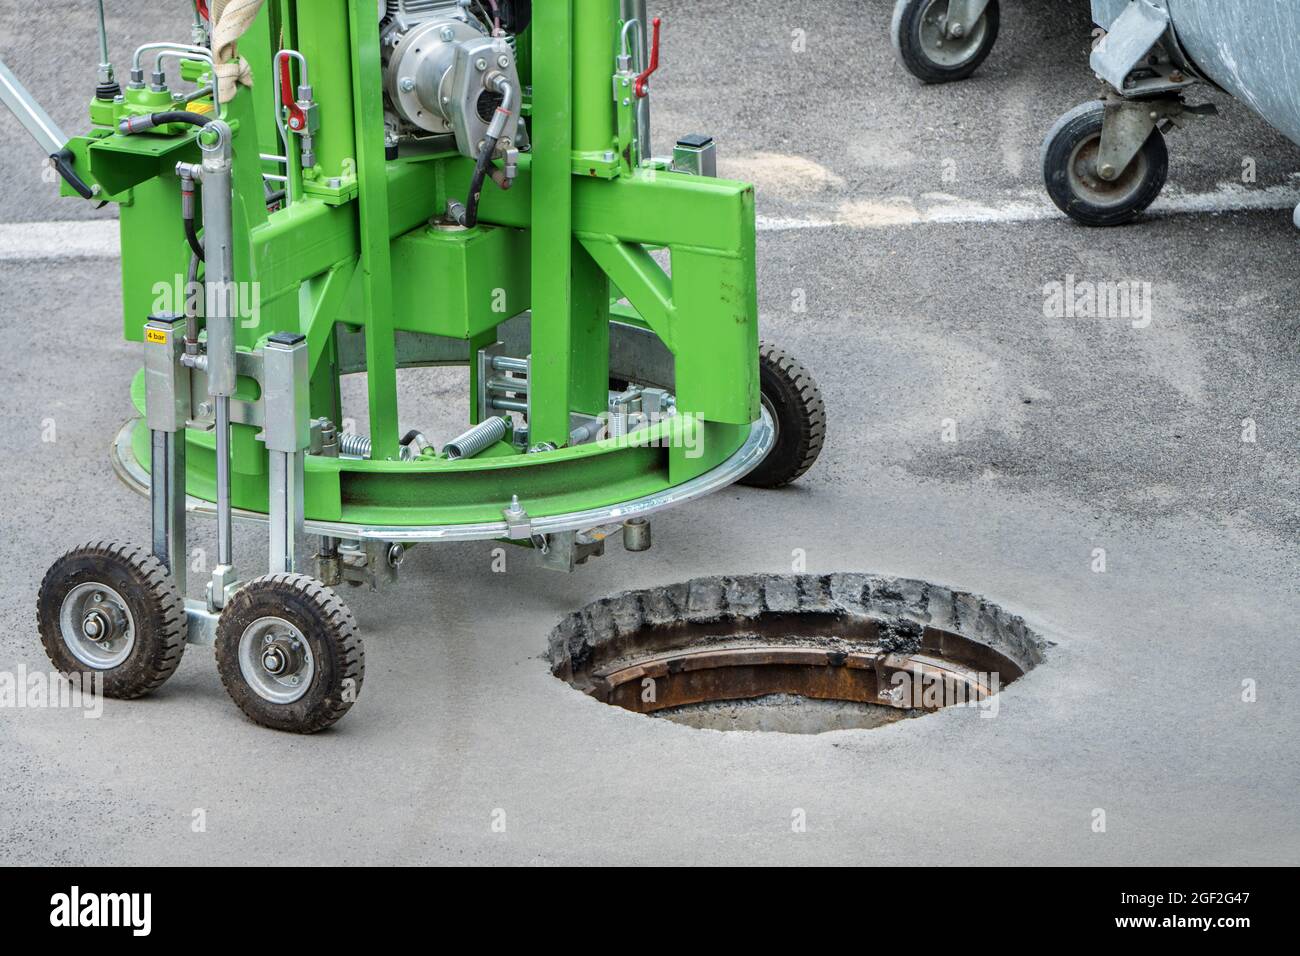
[[950, 43], [1102, 184], [276, 660], [97, 626]]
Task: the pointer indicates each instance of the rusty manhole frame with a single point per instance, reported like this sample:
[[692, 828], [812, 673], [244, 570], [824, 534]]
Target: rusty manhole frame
[[837, 637]]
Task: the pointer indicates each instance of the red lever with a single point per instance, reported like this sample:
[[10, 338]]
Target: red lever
[[297, 118], [643, 81], [203, 9]]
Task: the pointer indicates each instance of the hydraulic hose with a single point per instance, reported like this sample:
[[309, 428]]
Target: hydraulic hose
[[476, 184], [139, 124], [188, 185], [191, 312], [490, 141], [192, 237]]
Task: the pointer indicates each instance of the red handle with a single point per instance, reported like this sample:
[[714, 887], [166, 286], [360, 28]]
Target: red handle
[[203, 9], [297, 118], [643, 81]]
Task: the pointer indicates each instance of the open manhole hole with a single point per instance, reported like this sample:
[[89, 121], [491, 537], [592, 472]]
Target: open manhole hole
[[793, 653]]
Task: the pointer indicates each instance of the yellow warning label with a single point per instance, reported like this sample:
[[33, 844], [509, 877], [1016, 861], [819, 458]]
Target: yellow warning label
[[156, 336]]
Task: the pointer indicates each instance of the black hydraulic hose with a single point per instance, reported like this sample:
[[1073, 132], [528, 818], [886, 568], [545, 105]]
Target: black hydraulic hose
[[191, 313], [138, 124], [476, 184], [188, 203], [192, 236]]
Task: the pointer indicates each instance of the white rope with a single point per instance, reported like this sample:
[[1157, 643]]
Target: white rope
[[231, 19]]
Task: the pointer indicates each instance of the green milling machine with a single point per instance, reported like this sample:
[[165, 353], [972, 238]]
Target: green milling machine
[[336, 189]]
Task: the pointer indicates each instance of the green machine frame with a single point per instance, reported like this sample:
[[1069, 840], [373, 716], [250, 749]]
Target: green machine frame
[[589, 278], [354, 253]]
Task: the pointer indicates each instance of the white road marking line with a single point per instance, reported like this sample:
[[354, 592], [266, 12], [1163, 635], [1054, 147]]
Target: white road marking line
[[39, 241], [935, 209], [98, 238]]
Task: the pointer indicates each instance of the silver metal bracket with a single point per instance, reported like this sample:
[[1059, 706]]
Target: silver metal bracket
[[568, 550], [200, 624], [519, 527], [1128, 123], [369, 563], [963, 15], [286, 429], [167, 408]]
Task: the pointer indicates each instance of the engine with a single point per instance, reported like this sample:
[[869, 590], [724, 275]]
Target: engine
[[450, 70]]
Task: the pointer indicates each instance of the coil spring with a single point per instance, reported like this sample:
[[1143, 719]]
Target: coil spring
[[356, 446], [478, 439]]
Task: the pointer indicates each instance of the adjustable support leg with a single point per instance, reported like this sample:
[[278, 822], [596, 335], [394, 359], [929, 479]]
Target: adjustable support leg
[[286, 405], [167, 409]]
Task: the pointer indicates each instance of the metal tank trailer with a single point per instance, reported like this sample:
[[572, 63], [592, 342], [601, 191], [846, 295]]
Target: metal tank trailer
[[429, 183], [1106, 160]]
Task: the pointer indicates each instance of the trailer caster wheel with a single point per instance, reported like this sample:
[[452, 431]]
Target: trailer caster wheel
[[935, 52], [112, 610], [289, 653], [792, 399], [1070, 170]]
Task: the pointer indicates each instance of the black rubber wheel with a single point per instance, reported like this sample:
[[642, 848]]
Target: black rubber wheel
[[927, 51], [792, 398], [1070, 171], [112, 610], [289, 653]]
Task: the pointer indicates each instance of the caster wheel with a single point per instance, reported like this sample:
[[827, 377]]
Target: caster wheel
[[113, 610], [791, 397], [1070, 170], [289, 653], [928, 51]]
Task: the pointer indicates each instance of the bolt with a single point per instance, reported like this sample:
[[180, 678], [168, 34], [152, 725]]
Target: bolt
[[480, 64], [407, 84], [503, 61], [448, 34], [106, 645], [1107, 171], [957, 30], [98, 597], [294, 680]]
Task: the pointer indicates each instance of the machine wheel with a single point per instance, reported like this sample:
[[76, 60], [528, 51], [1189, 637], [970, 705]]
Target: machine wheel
[[791, 397], [1070, 170], [926, 50], [113, 610], [289, 653]]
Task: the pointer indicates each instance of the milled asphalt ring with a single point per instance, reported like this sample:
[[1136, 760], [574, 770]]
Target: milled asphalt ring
[[842, 637]]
